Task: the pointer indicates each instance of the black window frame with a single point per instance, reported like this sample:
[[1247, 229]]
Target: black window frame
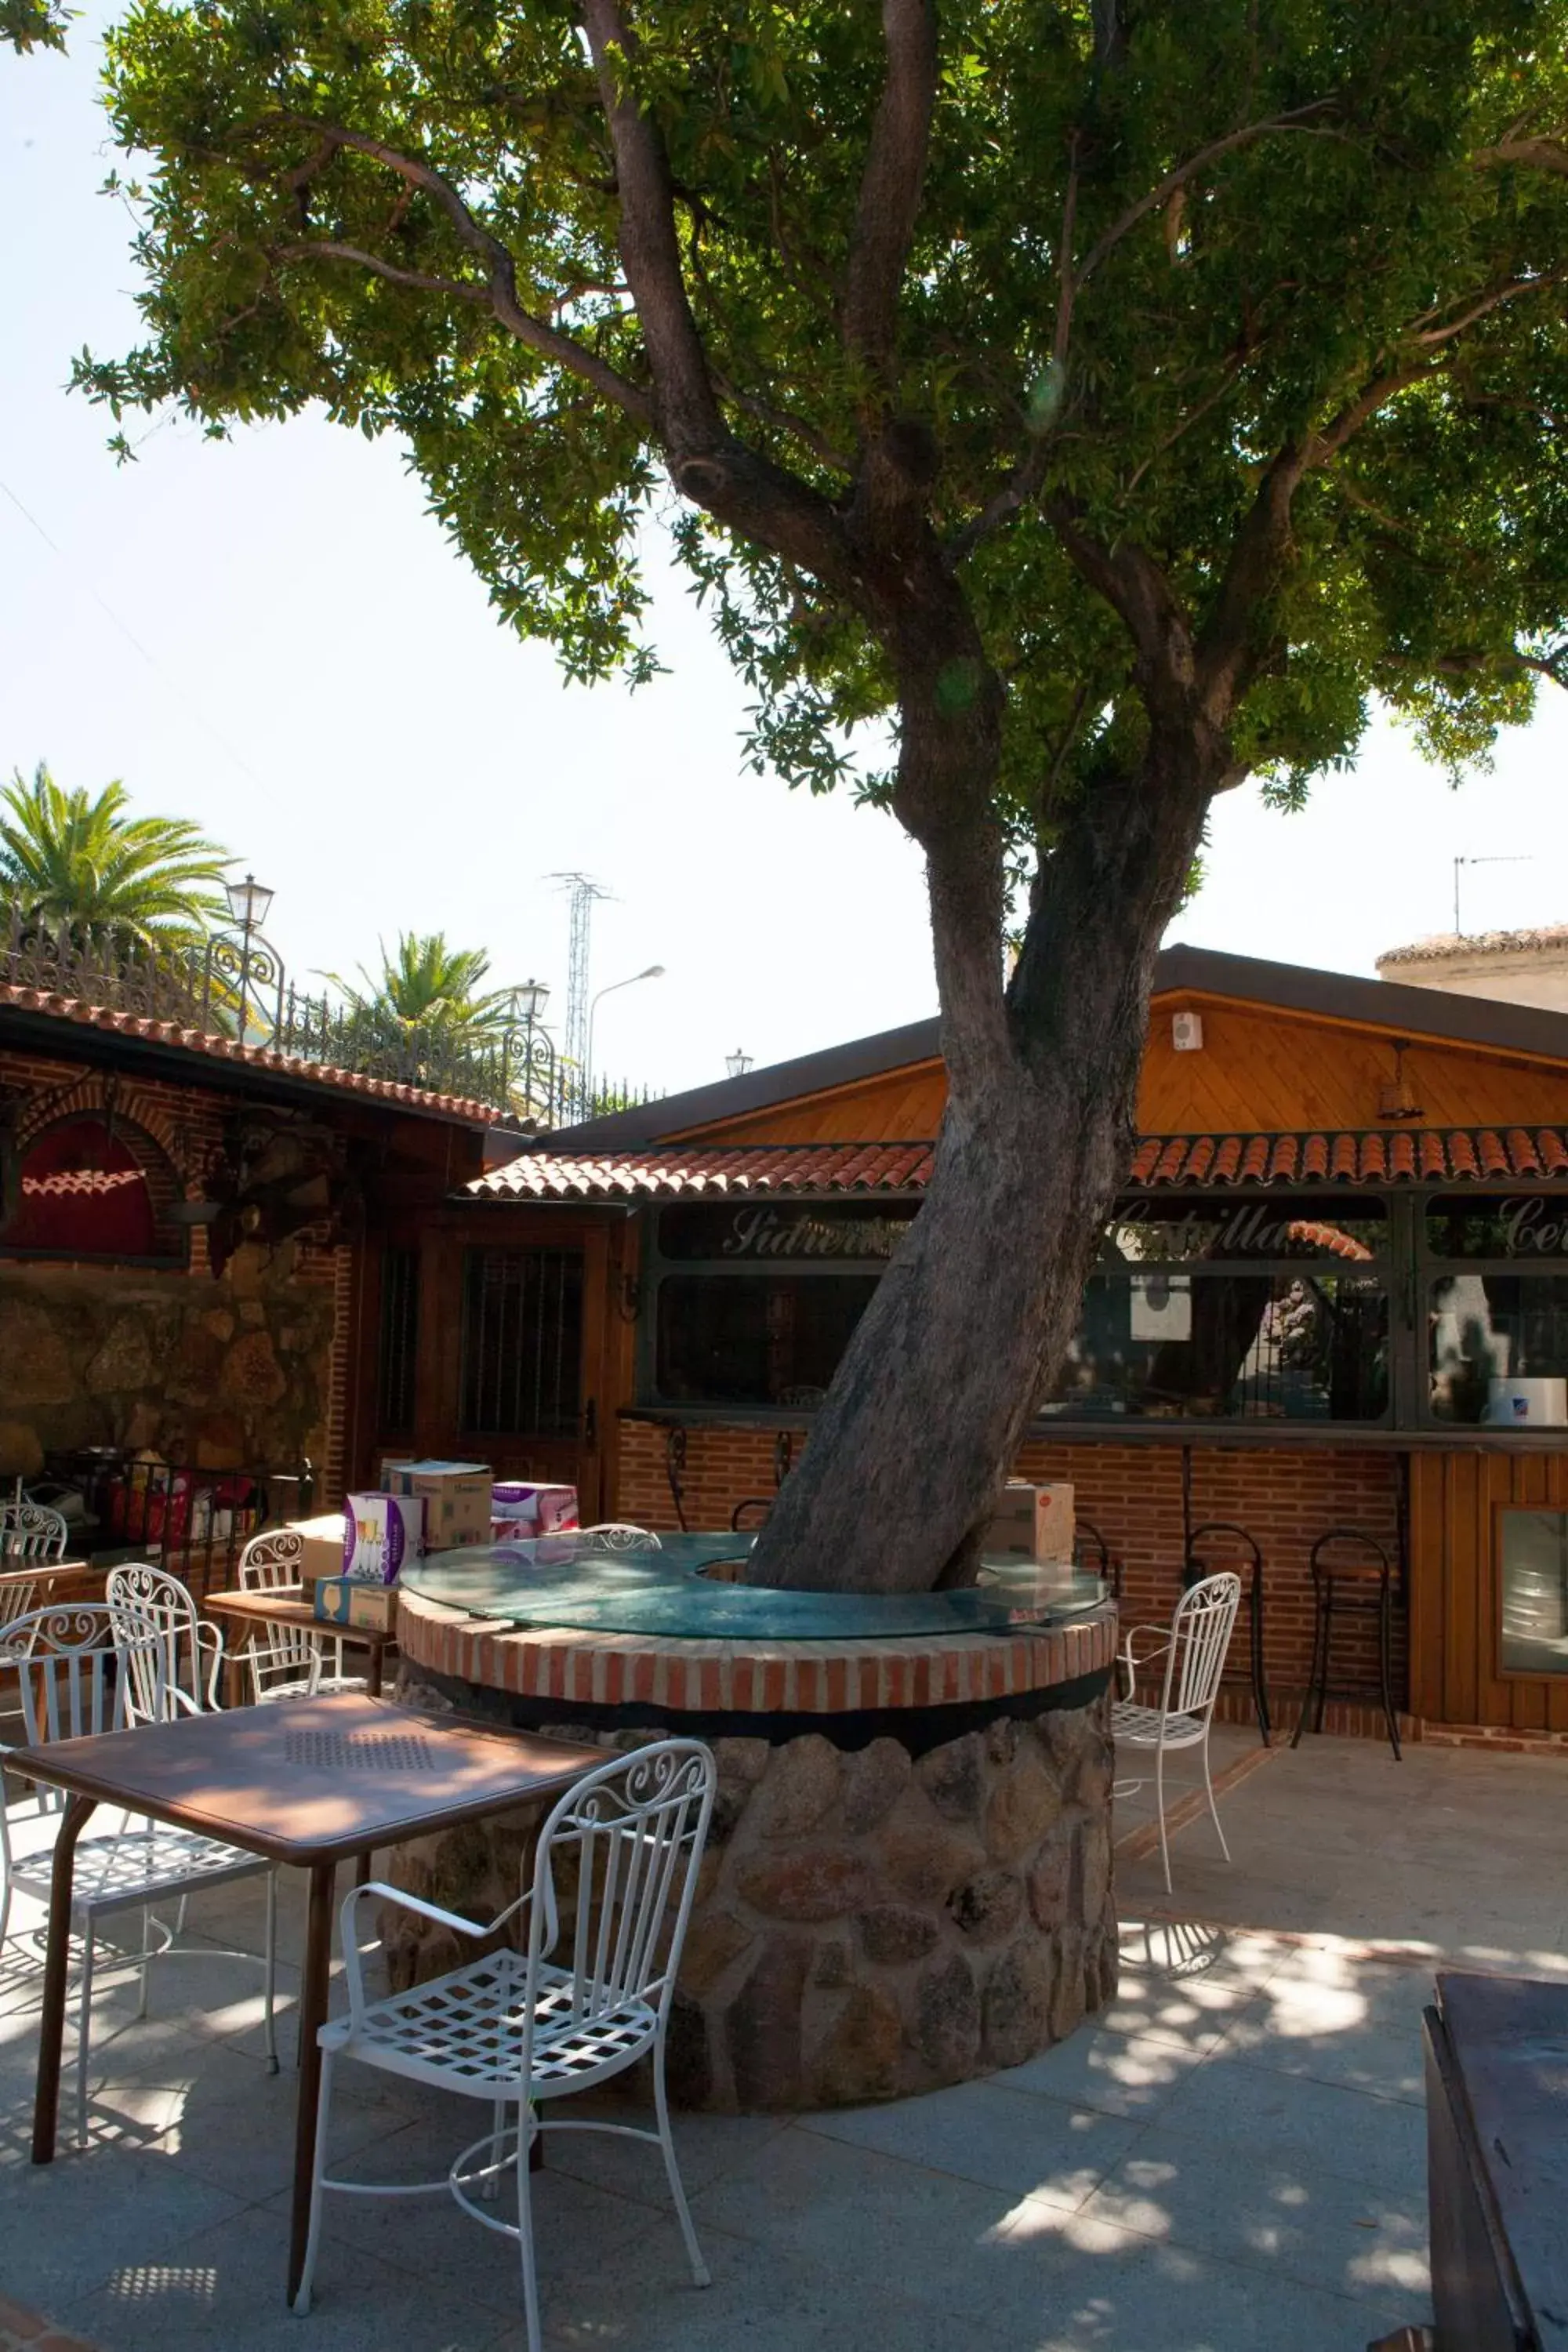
[[475, 1257]]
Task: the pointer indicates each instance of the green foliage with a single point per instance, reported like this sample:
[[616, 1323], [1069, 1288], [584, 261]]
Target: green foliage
[[1139, 272], [430, 986], [33, 24], [77, 864]]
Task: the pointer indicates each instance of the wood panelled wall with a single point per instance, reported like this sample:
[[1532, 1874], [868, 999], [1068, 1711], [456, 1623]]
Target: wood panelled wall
[[1454, 1597], [1258, 1071]]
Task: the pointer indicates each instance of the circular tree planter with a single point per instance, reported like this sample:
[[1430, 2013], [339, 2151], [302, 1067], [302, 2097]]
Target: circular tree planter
[[907, 1881]]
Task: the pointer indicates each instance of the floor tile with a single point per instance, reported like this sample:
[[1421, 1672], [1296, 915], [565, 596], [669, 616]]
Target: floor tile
[[993, 2137], [1113, 2074], [1361, 2029], [65, 2226], [1256, 2111]]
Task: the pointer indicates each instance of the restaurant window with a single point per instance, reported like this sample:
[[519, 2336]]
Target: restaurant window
[[522, 1361], [1533, 1554], [757, 1302], [1234, 1309], [1497, 1311], [399, 1338]]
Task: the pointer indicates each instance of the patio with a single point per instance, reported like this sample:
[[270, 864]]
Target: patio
[[1233, 2158]]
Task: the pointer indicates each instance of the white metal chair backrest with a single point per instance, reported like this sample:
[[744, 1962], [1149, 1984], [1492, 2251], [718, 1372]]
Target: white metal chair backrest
[[277, 1654], [74, 1672], [1200, 1636], [140, 1596], [635, 1830], [30, 1531], [614, 1535]]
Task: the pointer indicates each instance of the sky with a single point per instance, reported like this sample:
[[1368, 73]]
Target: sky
[[272, 637]]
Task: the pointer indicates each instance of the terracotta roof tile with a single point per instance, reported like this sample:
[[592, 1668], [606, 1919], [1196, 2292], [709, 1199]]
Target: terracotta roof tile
[[693, 1170], [259, 1057]]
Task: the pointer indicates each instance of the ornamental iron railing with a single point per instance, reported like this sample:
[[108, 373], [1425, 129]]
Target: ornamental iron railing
[[234, 986]]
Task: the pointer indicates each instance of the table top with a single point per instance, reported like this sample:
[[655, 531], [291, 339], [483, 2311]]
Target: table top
[[574, 1581], [310, 1781], [288, 1606], [1510, 2040], [28, 1571]]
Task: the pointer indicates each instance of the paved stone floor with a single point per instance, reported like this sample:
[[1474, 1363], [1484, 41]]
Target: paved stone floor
[[1232, 2160]]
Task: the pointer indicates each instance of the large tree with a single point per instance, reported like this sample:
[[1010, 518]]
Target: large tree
[[78, 865], [1118, 396]]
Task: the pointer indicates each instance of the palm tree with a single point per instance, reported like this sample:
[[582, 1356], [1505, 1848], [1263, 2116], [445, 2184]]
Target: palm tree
[[430, 985], [77, 866]]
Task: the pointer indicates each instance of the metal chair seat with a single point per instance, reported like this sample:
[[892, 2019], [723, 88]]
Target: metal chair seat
[[139, 1865], [463, 2031], [1142, 1726]]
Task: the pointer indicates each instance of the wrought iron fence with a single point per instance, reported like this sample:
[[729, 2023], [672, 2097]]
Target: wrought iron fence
[[235, 986]]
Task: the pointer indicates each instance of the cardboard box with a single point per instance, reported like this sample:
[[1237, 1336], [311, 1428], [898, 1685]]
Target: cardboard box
[[352, 1600], [1032, 1523], [520, 1508], [324, 1546], [455, 1496], [380, 1532]]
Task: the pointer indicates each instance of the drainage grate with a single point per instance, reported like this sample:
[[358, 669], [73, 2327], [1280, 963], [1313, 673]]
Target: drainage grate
[[359, 1751]]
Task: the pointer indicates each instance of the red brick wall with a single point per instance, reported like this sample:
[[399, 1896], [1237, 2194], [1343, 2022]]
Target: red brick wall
[[1134, 1496]]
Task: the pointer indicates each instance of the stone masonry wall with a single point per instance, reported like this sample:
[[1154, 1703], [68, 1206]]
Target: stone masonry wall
[[869, 1923]]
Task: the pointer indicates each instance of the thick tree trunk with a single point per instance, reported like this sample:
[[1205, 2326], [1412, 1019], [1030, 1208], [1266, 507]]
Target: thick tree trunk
[[944, 1371]]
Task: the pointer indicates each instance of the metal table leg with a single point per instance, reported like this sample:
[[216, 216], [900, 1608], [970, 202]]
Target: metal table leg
[[313, 1987], [57, 1967]]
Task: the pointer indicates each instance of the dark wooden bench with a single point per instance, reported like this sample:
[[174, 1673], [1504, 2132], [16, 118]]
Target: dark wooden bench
[[1496, 2143]]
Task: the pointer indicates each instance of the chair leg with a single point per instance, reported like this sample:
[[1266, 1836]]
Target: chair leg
[[1260, 1683], [84, 2031], [323, 2118], [270, 1965], [489, 2190], [1213, 1808], [700, 2271], [1327, 1653], [1160, 1808], [1319, 1663], [1385, 1664], [142, 1990], [525, 2130]]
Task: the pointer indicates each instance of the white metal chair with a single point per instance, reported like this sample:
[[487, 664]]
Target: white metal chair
[[76, 1664], [518, 2028], [170, 1679], [29, 1531], [616, 1535], [1193, 1645], [286, 1661]]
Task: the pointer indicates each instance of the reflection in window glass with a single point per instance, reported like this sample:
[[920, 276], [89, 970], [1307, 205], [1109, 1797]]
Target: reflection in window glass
[[1162, 1231], [1534, 1593], [763, 1342], [1263, 1347], [1494, 1338]]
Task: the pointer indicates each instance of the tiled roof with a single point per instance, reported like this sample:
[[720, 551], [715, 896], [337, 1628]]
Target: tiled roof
[[668, 1171], [258, 1057], [1443, 947]]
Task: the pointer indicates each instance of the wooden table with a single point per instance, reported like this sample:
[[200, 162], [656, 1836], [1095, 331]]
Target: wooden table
[[288, 1606], [308, 1781]]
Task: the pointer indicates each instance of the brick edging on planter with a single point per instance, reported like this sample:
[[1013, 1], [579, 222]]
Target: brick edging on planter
[[751, 1677]]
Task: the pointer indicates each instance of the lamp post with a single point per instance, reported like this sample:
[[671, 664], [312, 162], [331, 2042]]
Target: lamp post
[[248, 902], [653, 972], [525, 1009], [738, 1063]]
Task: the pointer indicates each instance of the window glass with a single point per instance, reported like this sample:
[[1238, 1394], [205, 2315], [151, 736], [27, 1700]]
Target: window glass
[[772, 1341], [768, 1231], [1498, 1349], [1531, 1228], [1160, 1229], [1534, 1593], [1255, 1347], [523, 1342]]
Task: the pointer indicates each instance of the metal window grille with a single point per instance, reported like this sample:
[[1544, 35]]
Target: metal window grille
[[399, 1337], [523, 1342]]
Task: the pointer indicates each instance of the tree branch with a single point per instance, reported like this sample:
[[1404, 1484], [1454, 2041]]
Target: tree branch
[[1229, 646], [1540, 155], [889, 197], [328, 249], [1490, 302], [1137, 591], [501, 270]]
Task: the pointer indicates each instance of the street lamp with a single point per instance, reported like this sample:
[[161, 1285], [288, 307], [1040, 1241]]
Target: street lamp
[[248, 905], [248, 902], [526, 1001], [653, 972], [738, 1063]]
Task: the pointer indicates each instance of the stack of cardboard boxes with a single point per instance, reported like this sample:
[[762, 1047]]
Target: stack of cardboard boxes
[[1028, 1550], [353, 1559]]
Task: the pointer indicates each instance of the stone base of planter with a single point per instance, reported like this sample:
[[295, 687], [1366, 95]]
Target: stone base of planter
[[869, 1923]]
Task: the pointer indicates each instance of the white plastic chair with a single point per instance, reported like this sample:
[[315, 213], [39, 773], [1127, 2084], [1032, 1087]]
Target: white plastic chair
[[1193, 1645], [286, 1661], [518, 2028], [171, 1679], [29, 1531], [616, 1535], [76, 1664]]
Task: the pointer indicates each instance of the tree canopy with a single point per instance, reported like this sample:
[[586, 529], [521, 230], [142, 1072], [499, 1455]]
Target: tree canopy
[[75, 863], [428, 984], [1155, 258]]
